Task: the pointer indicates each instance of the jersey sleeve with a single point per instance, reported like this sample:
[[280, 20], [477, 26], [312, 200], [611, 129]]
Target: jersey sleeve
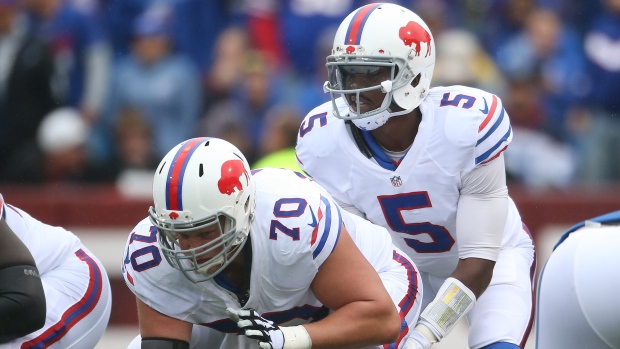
[[302, 233], [326, 233], [314, 138], [494, 132], [149, 276]]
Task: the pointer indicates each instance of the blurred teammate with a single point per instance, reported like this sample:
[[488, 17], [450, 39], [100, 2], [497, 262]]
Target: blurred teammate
[[266, 255], [427, 165], [578, 305], [53, 292]]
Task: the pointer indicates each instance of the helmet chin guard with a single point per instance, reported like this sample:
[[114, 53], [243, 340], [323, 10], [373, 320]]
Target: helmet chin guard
[[379, 36]]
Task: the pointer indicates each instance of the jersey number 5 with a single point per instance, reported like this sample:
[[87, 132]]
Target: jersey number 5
[[392, 206]]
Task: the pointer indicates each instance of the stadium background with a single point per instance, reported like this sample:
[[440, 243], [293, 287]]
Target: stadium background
[[249, 70]]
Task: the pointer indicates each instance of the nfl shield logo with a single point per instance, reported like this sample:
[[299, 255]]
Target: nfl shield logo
[[396, 181]]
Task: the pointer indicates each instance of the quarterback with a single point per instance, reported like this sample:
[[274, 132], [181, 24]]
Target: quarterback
[[427, 164], [233, 259]]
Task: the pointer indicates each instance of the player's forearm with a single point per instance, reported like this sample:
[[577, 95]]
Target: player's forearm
[[475, 273], [356, 325]]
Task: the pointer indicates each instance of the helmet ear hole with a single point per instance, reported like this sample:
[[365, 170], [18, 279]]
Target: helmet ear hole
[[246, 206], [415, 81]]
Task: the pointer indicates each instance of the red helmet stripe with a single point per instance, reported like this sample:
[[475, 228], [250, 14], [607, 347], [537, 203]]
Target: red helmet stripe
[[174, 182], [354, 33]]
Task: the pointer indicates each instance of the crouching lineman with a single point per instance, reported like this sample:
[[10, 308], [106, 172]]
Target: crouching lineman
[[578, 306], [261, 260], [54, 293]]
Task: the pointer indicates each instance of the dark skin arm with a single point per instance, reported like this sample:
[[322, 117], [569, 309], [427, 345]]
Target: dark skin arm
[[475, 273]]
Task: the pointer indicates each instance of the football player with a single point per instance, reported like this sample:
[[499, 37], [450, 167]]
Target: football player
[[426, 164], [577, 290], [232, 259], [54, 293]]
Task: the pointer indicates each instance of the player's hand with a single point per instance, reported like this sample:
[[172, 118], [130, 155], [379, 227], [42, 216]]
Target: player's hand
[[267, 333]]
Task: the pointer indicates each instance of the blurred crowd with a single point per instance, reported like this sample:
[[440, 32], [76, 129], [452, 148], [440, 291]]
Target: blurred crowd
[[99, 90]]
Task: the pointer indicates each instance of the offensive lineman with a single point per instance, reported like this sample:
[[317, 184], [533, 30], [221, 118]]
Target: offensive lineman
[[57, 294], [577, 303], [266, 253], [427, 165]]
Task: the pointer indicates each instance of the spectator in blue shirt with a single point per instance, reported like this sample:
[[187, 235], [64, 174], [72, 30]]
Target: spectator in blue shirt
[[162, 85]]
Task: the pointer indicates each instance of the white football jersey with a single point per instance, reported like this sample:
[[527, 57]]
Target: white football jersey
[[416, 201], [50, 246], [296, 227]]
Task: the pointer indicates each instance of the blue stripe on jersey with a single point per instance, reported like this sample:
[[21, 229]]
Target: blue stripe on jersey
[[488, 153], [328, 223], [493, 128], [377, 152], [76, 312], [608, 218], [339, 227]]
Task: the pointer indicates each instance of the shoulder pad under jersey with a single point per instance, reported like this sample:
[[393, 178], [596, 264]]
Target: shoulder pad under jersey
[[470, 127]]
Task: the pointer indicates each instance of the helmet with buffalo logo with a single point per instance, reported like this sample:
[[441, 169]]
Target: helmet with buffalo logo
[[203, 184], [393, 50]]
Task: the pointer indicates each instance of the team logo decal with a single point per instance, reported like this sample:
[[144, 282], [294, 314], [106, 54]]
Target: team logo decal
[[173, 215], [396, 181], [413, 33], [232, 170]]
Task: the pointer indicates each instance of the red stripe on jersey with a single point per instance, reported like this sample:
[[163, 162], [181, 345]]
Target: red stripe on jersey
[[494, 156], [76, 312], [315, 232], [490, 114], [129, 278]]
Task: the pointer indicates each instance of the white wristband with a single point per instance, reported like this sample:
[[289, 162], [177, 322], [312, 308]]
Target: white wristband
[[296, 337], [452, 302]]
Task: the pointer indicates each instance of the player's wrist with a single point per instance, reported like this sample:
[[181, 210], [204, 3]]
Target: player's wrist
[[425, 335], [296, 337], [452, 303]]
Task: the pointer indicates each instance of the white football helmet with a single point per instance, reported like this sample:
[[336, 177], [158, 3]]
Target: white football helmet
[[375, 36], [198, 184]]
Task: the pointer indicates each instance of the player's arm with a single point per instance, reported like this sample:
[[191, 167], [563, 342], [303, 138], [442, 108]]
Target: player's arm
[[159, 331], [22, 299], [480, 221], [481, 218], [364, 313]]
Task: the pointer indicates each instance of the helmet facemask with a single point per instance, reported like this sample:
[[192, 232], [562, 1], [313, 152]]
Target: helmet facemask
[[381, 34], [229, 241]]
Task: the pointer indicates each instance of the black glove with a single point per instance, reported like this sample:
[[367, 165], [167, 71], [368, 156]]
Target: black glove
[[267, 333]]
